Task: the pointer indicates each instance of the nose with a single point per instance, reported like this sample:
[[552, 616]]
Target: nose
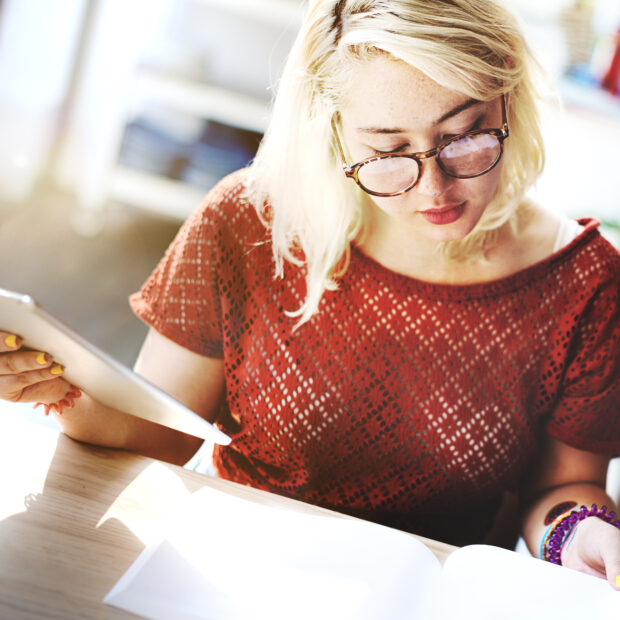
[[433, 180]]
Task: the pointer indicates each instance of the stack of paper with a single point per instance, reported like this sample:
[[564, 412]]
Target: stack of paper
[[225, 558]]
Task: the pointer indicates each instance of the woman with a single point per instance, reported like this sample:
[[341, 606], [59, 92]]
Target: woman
[[374, 311]]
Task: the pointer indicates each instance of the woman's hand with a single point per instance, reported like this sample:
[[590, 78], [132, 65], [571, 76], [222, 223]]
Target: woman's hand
[[29, 376], [565, 474], [197, 381], [593, 547]]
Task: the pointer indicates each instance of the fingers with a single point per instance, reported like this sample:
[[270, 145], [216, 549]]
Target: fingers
[[36, 385], [611, 557], [25, 361], [46, 392], [9, 342], [27, 375], [613, 576], [16, 376], [595, 550]]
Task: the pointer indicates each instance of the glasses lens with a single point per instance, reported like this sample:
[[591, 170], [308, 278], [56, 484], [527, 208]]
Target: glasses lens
[[389, 175], [471, 155]]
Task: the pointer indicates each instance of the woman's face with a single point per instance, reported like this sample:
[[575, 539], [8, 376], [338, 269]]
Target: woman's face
[[395, 107]]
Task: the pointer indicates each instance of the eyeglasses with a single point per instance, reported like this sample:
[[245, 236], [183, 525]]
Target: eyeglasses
[[465, 156]]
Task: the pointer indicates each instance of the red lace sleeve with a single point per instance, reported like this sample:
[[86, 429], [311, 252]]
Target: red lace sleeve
[[587, 415], [180, 299]]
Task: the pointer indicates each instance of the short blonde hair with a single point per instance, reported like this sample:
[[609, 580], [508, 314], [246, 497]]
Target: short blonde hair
[[471, 46]]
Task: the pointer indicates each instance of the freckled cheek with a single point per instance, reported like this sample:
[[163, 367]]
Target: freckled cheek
[[480, 189], [394, 204]]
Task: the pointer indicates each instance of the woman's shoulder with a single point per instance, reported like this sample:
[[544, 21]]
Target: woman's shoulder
[[573, 257], [227, 209], [547, 237], [228, 195], [539, 231]]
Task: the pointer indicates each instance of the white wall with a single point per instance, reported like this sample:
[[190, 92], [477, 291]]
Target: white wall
[[38, 39]]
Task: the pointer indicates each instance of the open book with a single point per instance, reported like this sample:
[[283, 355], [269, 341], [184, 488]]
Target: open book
[[226, 558]]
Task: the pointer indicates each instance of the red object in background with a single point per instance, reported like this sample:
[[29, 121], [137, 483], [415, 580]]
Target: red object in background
[[611, 81]]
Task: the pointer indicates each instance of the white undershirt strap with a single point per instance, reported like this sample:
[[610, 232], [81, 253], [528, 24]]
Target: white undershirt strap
[[567, 231]]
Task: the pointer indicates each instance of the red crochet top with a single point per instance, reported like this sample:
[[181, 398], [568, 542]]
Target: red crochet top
[[412, 404]]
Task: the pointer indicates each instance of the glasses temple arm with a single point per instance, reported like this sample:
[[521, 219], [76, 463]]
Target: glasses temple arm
[[345, 166], [505, 129]]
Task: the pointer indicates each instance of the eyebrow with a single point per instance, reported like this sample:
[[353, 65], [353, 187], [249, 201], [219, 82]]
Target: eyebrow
[[468, 103]]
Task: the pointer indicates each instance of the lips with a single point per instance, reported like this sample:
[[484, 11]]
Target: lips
[[445, 214]]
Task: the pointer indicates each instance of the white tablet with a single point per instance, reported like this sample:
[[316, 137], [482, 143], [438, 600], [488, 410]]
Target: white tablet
[[95, 372]]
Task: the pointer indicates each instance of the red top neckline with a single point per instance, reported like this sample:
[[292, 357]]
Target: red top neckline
[[360, 260]]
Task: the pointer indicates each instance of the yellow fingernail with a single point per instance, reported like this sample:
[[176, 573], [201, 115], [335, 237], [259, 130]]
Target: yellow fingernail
[[11, 341], [617, 581], [42, 359], [57, 369]]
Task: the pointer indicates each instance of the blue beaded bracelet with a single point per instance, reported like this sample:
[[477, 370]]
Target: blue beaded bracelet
[[552, 545]]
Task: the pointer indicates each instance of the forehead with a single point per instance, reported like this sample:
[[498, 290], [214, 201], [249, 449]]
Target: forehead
[[386, 92]]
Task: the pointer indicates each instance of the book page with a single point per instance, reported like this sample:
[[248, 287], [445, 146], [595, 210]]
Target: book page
[[225, 558], [486, 583]]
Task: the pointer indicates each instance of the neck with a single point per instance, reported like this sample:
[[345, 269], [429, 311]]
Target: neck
[[398, 245]]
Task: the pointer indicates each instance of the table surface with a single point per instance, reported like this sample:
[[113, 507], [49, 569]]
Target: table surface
[[74, 517]]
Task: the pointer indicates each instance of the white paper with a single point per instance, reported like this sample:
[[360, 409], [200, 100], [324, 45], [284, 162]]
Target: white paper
[[227, 558], [486, 583]]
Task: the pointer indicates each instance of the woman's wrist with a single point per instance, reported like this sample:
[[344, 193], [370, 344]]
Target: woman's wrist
[[552, 506], [563, 528]]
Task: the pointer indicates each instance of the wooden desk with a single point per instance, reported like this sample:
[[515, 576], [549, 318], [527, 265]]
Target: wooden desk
[[74, 517]]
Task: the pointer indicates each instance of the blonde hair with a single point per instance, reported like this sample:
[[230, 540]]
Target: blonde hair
[[314, 212]]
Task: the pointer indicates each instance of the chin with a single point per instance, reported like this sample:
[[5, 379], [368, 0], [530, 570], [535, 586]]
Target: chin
[[444, 234]]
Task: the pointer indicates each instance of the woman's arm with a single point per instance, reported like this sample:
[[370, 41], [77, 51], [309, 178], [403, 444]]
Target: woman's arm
[[195, 380], [565, 476]]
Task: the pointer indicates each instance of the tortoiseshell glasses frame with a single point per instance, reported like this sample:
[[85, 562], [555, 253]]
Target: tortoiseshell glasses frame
[[499, 134]]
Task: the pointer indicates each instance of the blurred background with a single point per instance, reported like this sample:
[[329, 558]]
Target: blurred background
[[116, 116]]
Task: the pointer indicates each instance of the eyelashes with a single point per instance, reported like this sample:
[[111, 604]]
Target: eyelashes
[[406, 147], [398, 149], [476, 125]]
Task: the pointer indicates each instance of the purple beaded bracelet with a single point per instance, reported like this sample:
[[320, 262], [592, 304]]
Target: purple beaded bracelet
[[561, 531]]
